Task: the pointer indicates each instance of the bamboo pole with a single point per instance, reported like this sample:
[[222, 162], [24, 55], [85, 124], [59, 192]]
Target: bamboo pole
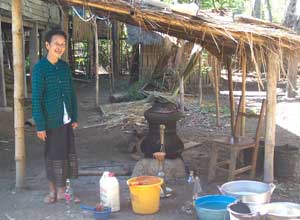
[[96, 61], [17, 32], [244, 74], [24, 68], [273, 69], [3, 101], [231, 98], [217, 91], [200, 80], [292, 74], [112, 76]]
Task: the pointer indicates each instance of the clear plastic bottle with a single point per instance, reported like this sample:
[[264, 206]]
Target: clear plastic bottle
[[68, 196], [197, 188]]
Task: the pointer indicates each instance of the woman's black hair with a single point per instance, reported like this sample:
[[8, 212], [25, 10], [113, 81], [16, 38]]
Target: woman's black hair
[[51, 33]]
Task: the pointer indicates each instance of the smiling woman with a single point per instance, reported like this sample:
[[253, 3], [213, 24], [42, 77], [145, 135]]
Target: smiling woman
[[54, 109]]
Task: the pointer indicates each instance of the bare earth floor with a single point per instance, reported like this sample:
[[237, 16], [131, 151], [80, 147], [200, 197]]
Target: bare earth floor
[[98, 145]]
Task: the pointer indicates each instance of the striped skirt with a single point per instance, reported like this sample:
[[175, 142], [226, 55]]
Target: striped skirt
[[60, 155]]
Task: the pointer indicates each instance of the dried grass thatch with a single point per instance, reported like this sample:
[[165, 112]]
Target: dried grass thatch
[[220, 35]]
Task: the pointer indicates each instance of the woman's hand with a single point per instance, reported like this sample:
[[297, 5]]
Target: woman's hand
[[74, 125], [41, 135]]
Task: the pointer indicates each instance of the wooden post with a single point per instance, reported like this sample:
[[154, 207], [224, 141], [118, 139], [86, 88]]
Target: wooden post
[[24, 68], [216, 72], [244, 75], [181, 91], [230, 88], [17, 32], [292, 74], [3, 101], [65, 28], [96, 61], [200, 80], [116, 48], [273, 69], [112, 75], [33, 45]]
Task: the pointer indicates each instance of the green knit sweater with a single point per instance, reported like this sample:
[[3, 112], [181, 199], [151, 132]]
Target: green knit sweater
[[51, 87]]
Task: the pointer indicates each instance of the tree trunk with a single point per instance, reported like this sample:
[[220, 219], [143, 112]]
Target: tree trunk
[[256, 10], [270, 17], [17, 32], [3, 101], [273, 69], [290, 17]]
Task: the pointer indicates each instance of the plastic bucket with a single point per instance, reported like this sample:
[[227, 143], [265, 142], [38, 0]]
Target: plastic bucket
[[145, 194], [213, 207]]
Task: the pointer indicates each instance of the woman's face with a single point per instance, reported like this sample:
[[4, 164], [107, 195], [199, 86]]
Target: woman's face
[[57, 46]]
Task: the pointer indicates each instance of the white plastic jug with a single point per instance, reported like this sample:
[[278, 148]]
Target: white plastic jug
[[110, 191]]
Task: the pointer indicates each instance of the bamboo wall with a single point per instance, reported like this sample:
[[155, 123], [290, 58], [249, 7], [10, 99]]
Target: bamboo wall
[[149, 55]]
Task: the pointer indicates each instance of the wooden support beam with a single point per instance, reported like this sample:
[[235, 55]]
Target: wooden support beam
[[200, 96], [292, 74], [24, 68], [115, 32], [217, 71], [231, 98], [96, 60], [3, 101], [273, 69], [65, 28], [244, 75], [181, 92], [17, 32]]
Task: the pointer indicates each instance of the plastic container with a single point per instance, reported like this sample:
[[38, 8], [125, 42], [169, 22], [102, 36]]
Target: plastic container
[[282, 211], [145, 194], [243, 211], [110, 191], [213, 207]]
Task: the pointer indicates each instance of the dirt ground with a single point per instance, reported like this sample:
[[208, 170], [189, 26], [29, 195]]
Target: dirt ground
[[99, 146]]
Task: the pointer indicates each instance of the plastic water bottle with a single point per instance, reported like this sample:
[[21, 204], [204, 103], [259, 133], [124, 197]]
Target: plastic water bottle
[[68, 196], [197, 188]]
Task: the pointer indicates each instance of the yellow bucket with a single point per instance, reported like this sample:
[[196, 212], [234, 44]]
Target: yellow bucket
[[145, 194]]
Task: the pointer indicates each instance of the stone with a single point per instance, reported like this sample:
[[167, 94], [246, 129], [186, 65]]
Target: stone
[[173, 168]]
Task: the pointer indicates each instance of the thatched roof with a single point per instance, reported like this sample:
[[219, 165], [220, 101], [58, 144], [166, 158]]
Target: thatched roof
[[220, 35]]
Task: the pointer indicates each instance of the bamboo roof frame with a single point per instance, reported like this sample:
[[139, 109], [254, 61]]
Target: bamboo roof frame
[[218, 34]]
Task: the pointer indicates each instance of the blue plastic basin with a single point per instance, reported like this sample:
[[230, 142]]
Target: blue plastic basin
[[213, 207]]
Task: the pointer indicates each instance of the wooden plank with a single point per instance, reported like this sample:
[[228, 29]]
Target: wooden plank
[[3, 101], [17, 33], [273, 69]]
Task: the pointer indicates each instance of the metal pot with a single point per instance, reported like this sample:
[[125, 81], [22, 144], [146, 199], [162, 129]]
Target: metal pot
[[282, 211], [248, 191]]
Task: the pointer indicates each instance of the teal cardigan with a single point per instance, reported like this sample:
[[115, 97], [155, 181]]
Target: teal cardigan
[[51, 86]]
